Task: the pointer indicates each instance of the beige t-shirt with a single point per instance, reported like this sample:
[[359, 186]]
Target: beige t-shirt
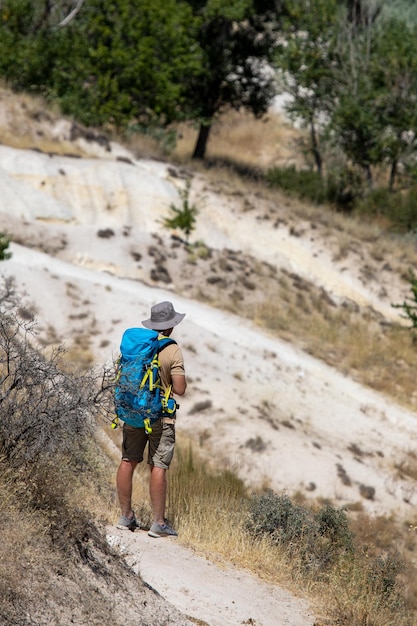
[[171, 363]]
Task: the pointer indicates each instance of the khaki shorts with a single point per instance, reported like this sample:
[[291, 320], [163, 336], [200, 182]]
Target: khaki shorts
[[161, 443]]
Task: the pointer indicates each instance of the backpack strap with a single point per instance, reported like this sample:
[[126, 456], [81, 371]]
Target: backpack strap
[[164, 342], [169, 405]]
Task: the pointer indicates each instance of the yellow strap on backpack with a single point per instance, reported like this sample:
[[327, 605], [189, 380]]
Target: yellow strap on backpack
[[149, 374], [168, 404]]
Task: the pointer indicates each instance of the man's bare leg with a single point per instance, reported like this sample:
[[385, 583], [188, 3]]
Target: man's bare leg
[[124, 480], [158, 491]]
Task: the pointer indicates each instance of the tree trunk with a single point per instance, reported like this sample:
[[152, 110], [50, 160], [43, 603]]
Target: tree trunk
[[362, 14], [315, 148], [202, 139], [43, 17], [393, 175], [368, 174]]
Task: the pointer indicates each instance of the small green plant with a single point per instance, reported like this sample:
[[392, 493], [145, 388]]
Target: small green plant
[[409, 305], [183, 217], [4, 244]]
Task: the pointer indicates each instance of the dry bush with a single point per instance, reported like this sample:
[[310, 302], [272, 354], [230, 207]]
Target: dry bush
[[368, 593], [43, 407], [407, 466]]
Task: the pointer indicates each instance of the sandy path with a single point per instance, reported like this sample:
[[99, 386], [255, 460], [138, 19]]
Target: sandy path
[[202, 590]]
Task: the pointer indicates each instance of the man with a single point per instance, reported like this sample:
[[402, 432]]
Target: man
[[161, 441]]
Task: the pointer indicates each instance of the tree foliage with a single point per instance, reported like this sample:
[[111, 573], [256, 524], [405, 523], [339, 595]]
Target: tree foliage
[[237, 41], [349, 65], [374, 120], [130, 63], [116, 62], [351, 72], [305, 64], [132, 58]]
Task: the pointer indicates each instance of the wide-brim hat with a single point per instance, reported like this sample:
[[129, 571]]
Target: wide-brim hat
[[163, 316]]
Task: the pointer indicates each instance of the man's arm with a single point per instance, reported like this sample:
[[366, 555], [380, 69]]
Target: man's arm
[[179, 384]]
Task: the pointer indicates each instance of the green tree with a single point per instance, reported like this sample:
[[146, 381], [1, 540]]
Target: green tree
[[132, 63], [237, 40], [394, 77], [28, 46], [305, 65], [353, 124], [133, 57], [118, 62], [324, 65], [375, 121], [352, 76]]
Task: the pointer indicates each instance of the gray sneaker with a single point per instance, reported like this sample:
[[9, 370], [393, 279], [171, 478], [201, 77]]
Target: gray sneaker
[[162, 530], [127, 523]]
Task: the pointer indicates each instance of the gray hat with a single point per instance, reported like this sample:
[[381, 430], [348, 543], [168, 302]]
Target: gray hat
[[163, 316]]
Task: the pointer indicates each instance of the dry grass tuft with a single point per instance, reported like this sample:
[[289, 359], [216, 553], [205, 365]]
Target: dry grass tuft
[[407, 466]]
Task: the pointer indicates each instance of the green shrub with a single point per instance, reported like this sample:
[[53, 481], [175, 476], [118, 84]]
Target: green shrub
[[400, 208], [183, 217], [317, 538], [409, 305], [334, 525], [4, 244], [305, 184], [344, 187]]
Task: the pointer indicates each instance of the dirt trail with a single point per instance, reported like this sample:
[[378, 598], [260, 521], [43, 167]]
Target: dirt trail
[[202, 590]]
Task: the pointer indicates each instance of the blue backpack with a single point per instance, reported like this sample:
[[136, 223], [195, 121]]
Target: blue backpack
[[138, 395]]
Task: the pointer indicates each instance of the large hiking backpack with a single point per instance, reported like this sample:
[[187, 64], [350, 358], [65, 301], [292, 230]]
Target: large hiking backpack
[[138, 395]]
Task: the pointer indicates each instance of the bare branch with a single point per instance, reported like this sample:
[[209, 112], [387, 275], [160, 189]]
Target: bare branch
[[46, 410], [72, 14]]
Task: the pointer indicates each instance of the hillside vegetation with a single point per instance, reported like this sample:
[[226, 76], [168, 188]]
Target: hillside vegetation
[[360, 572], [143, 67]]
